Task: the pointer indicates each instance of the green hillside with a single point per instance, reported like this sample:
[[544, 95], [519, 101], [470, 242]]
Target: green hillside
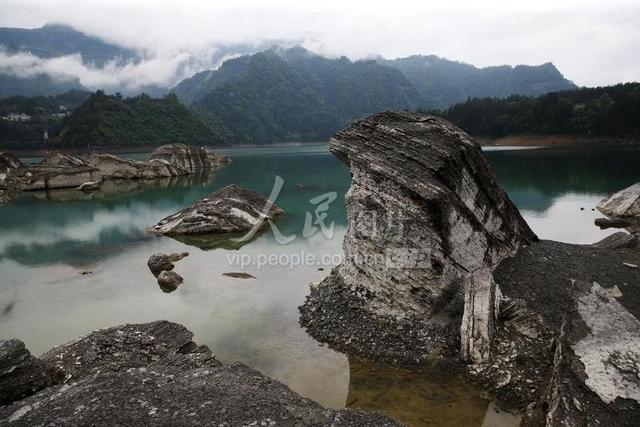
[[112, 120], [602, 111], [293, 95]]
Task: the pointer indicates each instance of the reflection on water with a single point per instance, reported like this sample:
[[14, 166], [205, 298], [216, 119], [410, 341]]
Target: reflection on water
[[46, 242]]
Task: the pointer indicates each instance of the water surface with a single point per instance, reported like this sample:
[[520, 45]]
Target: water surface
[[69, 266]]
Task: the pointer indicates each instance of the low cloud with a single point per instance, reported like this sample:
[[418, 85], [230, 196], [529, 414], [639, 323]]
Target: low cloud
[[592, 42], [164, 69]]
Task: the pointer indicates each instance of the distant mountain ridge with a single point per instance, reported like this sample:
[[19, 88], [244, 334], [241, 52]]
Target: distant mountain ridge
[[444, 82], [294, 95]]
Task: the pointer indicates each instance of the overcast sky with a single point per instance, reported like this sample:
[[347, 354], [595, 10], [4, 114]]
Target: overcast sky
[[591, 42]]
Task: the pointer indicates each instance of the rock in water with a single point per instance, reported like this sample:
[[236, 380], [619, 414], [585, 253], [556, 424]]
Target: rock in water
[[425, 214], [188, 158], [61, 170], [232, 209], [164, 262], [21, 374], [154, 374], [169, 281], [622, 208]]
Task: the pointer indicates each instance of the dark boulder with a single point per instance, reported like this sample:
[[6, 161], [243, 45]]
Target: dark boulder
[[164, 262], [153, 374], [21, 374]]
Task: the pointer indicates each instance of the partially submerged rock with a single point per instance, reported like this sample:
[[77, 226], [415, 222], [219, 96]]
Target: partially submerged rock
[[21, 374], [153, 374], [63, 170], [231, 209], [164, 262], [239, 275], [161, 266], [426, 215], [622, 209], [169, 281]]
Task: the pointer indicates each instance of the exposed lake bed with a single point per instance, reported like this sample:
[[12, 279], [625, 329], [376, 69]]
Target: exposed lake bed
[[255, 321]]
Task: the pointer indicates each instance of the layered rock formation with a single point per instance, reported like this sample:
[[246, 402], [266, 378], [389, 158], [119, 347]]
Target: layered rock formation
[[427, 223], [622, 210], [61, 170], [154, 374], [441, 267], [231, 209]]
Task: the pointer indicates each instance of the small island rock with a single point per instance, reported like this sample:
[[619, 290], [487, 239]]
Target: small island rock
[[231, 209]]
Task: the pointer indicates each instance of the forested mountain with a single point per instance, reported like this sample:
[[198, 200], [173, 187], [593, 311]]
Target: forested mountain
[[602, 111], [294, 95], [443, 82], [54, 40], [105, 120]]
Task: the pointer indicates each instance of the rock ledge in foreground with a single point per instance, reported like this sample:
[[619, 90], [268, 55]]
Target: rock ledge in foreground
[[154, 374]]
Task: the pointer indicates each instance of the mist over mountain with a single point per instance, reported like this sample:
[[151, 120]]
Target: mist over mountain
[[73, 59]]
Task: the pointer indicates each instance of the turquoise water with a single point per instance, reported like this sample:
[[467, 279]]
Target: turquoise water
[[48, 240]]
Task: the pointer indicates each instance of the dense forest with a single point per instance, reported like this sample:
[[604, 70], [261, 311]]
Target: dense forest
[[46, 114], [113, 120], [293, 95], [601, 111]]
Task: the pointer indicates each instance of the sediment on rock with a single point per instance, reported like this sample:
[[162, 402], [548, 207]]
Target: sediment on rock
[[154, 374]]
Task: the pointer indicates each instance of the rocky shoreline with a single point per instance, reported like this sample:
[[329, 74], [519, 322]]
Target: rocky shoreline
[[547, 328], [150, 374]]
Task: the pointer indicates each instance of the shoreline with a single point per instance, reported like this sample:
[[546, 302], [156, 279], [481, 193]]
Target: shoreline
[[549, 141]]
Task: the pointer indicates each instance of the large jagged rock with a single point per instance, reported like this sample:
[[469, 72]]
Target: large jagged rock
[[63, 170], [231, 209], [21, 374], [426, 215], [153, 374], [622, 210]]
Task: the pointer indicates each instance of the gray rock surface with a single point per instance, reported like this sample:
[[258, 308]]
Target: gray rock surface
[[425, 214], [231, 209], [21, 374], [153, 374]]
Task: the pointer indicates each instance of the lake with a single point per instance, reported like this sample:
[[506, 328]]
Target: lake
[[69, 266]]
